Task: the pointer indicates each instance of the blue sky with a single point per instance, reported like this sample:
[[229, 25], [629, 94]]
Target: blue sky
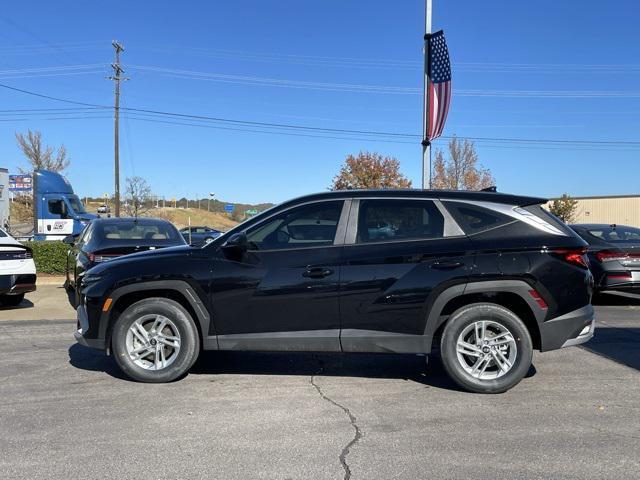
[[534, 70]]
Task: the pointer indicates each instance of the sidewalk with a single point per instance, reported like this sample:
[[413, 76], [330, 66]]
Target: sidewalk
[[48, 302], [44, 279]]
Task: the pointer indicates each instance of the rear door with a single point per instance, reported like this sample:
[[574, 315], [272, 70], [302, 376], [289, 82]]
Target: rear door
[[398, 255]]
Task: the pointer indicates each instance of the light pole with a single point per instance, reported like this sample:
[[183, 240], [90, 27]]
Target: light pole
[[211, 195]]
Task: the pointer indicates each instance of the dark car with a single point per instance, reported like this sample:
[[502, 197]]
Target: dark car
[[614, 255], [199, 235], [105, 239], [485, 278]]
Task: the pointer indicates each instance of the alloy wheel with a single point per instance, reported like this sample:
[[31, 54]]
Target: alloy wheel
[[153, 342], [486, 350]]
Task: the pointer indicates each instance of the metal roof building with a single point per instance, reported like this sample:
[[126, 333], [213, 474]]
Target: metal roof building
[[619, 209]]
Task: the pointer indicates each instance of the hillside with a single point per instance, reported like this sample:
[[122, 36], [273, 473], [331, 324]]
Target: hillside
[[22, 217]]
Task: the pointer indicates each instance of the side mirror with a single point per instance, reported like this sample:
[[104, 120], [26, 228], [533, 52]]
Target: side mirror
[[237, 242], [69, 240]]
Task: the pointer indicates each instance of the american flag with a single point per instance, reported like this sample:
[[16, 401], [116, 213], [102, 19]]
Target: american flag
[[439, 85]]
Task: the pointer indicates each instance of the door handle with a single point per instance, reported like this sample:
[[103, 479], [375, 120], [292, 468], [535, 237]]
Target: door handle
[[447, 265], [317, 272]]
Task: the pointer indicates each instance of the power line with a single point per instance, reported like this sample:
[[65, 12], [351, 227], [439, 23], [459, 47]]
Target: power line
[[321, 130]]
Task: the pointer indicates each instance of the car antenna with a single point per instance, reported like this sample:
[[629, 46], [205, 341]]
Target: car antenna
[[492, 189]]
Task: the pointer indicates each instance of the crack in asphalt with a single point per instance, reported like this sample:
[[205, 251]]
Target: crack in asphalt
[[352, 419]]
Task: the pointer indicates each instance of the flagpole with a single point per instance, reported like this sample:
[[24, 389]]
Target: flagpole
[[426, 145]]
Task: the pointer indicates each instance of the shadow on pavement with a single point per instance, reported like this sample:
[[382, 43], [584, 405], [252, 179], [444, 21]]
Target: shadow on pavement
[[622, 345], [616, 299], [86, 358], [26, 303], [403, 367]]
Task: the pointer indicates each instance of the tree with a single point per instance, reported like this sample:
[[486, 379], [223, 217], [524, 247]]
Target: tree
[[370, 170], [461, 170], [138, 195], [42, 157], [565, 208]]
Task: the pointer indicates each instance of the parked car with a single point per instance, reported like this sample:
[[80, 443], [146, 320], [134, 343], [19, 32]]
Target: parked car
[[17, 270], [485, 278], [200, 235], [104, 208], [107, 238], [614, 256]]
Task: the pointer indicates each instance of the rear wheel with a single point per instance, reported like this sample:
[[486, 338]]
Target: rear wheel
[[11, 300], [155, 340], [486, 348]]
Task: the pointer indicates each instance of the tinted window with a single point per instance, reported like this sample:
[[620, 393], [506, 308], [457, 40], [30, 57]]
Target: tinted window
[[306, 226], [616, 234], [381, 220], [56, 207], [474, 219]]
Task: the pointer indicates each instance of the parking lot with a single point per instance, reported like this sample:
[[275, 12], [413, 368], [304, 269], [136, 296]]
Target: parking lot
[[67, 412]]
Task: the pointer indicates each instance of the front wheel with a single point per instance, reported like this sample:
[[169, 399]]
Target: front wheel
[[486, 348], [155, 340]]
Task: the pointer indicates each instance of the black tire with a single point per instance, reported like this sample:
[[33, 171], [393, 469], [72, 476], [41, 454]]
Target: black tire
[[189, 340], [466, 316], [11, 300]]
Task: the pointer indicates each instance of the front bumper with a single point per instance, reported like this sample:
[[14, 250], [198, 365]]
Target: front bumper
[[82, 327], [570, 329]]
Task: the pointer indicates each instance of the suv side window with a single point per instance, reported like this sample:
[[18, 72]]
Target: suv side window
[[384, 220], [312, 225], [474, 219]]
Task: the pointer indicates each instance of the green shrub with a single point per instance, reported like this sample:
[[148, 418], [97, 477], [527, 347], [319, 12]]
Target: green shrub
[[50, 257]]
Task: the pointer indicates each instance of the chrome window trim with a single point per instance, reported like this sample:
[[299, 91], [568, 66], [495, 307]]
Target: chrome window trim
[[346, 207]]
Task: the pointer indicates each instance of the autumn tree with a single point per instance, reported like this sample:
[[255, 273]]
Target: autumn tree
[[138, 195], [39, 156], [461, 170], [370, 170], [565, 208]]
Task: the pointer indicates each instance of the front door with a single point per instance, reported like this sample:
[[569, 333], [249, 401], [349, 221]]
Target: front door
[[401, 250], [282, 294]]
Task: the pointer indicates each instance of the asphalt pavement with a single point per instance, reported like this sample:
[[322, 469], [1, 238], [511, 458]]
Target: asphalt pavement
[[66, 412]]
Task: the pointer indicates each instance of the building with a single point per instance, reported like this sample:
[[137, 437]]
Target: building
[[618, 209]]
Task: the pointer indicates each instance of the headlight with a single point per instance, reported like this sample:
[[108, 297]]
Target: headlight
[[89, 279]]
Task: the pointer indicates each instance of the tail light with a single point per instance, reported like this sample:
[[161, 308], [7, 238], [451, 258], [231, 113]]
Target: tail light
[[98, 258], [609, 256], [23, 255], [575, 256]]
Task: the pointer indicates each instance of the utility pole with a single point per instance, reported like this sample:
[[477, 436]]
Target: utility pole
[[426, 144], [118, 71]]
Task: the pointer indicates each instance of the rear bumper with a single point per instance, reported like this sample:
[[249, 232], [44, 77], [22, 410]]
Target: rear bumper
[[623, 281], [570, 329], [17, 283], [82, 327]]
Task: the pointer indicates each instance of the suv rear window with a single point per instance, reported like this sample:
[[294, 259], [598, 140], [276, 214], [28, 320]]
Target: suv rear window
[[616, 234], [125, 232], [381, 220], [474, 219]]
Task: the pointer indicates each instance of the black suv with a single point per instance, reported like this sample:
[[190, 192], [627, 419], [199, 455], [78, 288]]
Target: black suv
[[485, 277]]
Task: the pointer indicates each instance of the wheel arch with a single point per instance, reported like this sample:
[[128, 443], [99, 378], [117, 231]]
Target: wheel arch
[[511, 294], [176, 290]]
